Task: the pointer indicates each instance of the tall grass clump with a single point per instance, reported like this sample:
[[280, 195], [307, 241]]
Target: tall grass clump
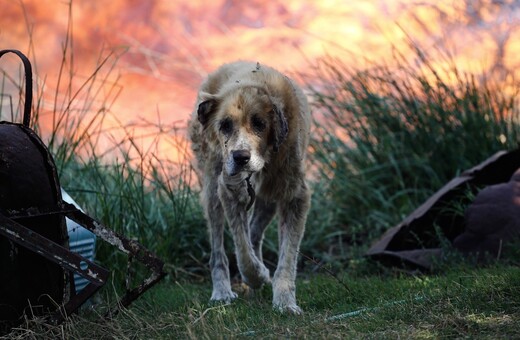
[[120, 173], [388, 136]]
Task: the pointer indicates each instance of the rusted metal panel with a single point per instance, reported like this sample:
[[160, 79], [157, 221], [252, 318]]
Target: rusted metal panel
[[415, 241], [96, 274]]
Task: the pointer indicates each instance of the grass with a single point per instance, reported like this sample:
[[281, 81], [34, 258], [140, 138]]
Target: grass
[[460, 303], [392, 134], [385, 138]]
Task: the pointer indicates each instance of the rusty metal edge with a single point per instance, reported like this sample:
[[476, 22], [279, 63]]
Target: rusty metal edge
[[130, 247], [95, 274], [379, 247]]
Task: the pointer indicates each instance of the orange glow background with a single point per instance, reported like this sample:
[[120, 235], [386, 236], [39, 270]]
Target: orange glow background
[[172, 45]]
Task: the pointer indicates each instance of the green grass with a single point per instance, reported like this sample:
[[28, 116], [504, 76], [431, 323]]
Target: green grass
[[390, 135], [460, 303]]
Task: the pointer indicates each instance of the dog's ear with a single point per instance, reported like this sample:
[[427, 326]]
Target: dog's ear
[[280, 128], [206, 108]]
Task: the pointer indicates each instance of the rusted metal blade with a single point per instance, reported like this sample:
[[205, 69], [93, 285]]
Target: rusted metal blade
[[124, 244], [52, 251], [27, 238], [132, 248]]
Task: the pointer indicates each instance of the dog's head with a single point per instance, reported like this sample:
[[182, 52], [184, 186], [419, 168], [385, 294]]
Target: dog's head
[[248, 125]]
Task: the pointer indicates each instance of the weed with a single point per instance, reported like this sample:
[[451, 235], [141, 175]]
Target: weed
[[389, 136]]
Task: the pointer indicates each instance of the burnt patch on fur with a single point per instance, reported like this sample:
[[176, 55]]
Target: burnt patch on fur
[[280, 129]]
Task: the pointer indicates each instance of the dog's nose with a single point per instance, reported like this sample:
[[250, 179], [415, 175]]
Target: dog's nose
[[241, 157]]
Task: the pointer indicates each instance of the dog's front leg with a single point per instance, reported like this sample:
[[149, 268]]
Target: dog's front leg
[[293, 215], [218, 263], [235, 198], [263, 213]]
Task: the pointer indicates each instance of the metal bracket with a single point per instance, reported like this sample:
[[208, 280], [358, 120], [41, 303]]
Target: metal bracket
[[130, 247], [95, 274]]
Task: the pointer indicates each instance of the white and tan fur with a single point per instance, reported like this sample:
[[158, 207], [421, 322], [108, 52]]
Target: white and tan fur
[[249, 132]]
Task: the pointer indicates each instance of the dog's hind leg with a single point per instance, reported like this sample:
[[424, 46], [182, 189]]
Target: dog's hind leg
[[234, 197], [263, 213], [293, 215], [218, 263]]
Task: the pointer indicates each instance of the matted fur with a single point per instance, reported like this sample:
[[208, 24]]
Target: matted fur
[[249, 132]]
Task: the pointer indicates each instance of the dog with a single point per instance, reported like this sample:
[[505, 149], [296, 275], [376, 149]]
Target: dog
[[250, 131]]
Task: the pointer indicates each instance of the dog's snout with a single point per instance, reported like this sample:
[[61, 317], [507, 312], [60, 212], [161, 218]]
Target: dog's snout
[[241, 157]]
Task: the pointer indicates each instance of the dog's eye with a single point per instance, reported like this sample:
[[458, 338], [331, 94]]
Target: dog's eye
[[226, 126], [258, 124]]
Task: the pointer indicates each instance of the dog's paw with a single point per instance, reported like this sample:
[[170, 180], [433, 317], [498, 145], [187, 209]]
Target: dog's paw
[[256, 275], [225, 296], [284, 297], [288, 309]]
